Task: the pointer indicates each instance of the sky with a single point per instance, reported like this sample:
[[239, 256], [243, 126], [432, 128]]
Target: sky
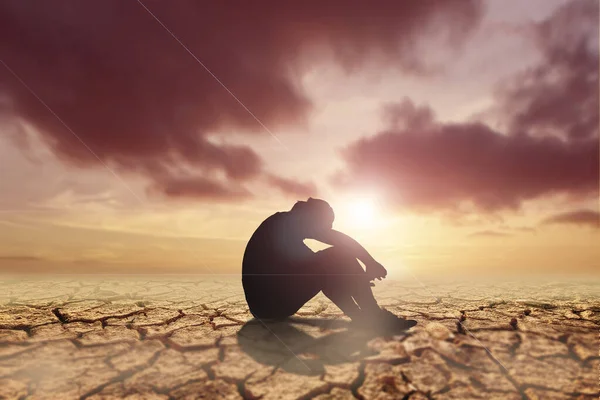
[[450, 137]]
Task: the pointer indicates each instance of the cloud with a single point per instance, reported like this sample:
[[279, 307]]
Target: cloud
[[559, 96], [430, 166], [293, 188], [200, 187], [19, 258], [142, 104], [578, 217], [546, 145], [527, 229], [489, 233]]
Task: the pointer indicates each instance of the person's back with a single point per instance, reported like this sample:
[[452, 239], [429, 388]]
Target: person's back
[[272, 251]]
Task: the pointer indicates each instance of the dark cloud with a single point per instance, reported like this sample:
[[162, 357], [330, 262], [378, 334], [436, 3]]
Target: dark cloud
[[560, 95], [142, 104], [197, 187], [578, 217], [548, 144], [293, 188], [426, 165]]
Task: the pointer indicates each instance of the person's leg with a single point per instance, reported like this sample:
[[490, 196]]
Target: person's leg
[[339, 277], [343, 300], [297, 289], [275, 297], [345, 282], [332, 271]]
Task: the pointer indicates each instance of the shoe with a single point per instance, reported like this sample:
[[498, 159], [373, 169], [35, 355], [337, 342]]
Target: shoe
[[383, 321], [388, 321]]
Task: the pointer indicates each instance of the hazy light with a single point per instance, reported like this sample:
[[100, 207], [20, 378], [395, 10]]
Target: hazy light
[[362, 212]]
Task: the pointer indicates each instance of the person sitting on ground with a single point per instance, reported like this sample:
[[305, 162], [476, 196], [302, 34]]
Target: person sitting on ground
[[280, 273]]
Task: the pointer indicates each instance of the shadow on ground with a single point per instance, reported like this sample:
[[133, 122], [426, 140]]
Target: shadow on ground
[[305, 345]]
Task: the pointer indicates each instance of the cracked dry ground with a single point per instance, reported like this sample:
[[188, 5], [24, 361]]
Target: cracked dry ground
[[194, 338]]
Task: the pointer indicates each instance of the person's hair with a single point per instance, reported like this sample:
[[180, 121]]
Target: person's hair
[[315, 206]]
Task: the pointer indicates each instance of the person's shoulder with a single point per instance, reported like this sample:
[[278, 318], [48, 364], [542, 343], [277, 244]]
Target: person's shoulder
[[278, 216], [273, 220]]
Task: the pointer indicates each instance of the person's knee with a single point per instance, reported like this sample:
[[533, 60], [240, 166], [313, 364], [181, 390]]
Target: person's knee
[[340, 270], [337, 257]]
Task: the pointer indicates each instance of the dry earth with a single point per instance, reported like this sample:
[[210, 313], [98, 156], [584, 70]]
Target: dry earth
[[171, 338]]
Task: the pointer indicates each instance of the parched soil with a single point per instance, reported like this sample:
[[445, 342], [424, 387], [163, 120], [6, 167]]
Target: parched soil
[[171, 338]]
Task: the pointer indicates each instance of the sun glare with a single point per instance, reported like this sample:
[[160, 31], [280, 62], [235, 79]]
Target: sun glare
[[362, 212]]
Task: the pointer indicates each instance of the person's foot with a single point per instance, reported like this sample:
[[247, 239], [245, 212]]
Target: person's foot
[[384, 321], [392, 322]]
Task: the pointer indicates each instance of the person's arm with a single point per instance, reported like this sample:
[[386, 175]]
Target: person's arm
[[339, 239]]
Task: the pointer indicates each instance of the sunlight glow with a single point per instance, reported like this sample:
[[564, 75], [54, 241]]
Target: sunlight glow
[[362, 212]]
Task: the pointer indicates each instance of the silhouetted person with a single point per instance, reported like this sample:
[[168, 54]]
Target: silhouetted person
[[280, 273]]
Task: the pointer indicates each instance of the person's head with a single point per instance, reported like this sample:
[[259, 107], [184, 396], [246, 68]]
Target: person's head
[[317, 213]]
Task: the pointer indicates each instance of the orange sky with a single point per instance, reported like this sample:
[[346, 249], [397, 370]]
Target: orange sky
[[469, 148]]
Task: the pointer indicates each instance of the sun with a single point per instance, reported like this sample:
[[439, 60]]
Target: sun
[[362, 212]]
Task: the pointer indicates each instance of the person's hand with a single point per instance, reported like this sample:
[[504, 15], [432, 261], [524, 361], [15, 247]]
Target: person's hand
[[376, 271]]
